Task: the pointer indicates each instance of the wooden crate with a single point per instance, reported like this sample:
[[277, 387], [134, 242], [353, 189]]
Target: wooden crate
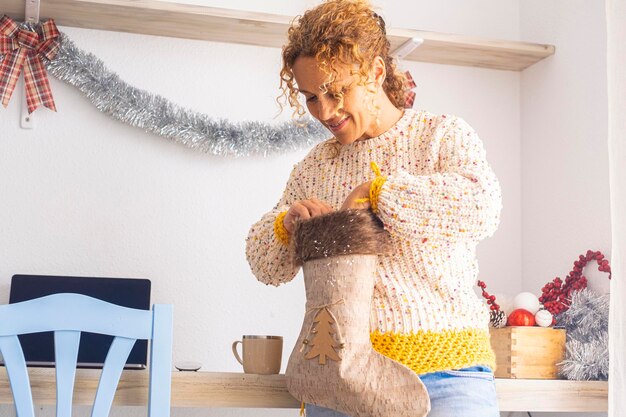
[[528, 352]]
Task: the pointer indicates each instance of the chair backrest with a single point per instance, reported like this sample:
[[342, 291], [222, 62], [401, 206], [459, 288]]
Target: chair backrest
[[69, 314]]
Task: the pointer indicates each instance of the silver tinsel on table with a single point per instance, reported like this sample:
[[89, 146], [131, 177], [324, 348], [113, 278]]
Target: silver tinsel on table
[[587, 346], [157, 115]]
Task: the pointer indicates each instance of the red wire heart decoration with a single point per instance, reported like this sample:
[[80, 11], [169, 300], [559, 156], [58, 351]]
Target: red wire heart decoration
[[556, 295]]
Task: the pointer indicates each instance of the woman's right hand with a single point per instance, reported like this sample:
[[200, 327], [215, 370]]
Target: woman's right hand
[[303, 210]]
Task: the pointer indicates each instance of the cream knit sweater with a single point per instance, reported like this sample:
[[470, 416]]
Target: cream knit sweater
[[440, 199]]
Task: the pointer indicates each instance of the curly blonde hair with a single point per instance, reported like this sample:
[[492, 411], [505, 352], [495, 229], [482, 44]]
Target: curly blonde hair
[[336, 33]]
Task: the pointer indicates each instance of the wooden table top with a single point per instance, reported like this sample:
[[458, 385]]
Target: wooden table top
[[223, 389]]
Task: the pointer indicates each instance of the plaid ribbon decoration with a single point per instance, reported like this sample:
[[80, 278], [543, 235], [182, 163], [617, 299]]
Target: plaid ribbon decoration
[[410, 95], [24, 48]]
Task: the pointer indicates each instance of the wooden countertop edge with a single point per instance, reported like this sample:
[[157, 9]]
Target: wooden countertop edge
[[228, 389]]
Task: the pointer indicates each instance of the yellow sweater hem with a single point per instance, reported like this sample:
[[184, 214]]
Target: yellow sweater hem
[[427, 351]]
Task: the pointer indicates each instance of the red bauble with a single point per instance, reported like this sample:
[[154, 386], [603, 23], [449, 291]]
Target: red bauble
[[521, 317]]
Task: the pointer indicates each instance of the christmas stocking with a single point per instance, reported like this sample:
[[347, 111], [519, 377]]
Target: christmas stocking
[[333, 363]]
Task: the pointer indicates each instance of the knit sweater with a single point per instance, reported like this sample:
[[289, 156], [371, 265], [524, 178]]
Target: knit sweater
[[439, 199]]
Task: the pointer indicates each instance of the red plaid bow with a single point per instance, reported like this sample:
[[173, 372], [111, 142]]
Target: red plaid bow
[[23, 48], [410, 95]]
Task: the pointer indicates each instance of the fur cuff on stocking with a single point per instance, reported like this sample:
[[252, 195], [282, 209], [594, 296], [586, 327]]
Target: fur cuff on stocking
[[343, 232]]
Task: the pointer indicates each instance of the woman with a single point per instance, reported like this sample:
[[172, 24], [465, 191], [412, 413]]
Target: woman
[[435, 193]]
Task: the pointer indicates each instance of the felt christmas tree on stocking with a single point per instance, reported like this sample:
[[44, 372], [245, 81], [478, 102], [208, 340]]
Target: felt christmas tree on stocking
[[333, 363]]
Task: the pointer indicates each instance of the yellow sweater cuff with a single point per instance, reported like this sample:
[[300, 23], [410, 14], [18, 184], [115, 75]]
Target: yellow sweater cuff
[[375, 189], [279, 228]]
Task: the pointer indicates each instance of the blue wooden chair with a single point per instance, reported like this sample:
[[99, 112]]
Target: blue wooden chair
[[69, 314]]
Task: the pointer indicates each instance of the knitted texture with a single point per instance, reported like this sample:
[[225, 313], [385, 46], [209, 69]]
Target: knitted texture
[[426, 352], [439, 199], [375, 189], [279, 228]]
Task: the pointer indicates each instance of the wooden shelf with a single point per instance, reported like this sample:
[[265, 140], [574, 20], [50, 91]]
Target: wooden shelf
[[153, 17], [219, 389]]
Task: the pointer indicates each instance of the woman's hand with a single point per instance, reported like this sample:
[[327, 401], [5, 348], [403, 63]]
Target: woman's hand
[[359, 193], [303, 210]]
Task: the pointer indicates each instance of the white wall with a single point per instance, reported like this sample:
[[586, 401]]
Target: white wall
[[85, 195], [565, 184]]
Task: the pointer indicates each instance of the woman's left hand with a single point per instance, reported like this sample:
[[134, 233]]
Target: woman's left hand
[[360, 192]]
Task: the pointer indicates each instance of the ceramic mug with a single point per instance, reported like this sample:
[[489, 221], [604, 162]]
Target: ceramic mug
[[261, 354]]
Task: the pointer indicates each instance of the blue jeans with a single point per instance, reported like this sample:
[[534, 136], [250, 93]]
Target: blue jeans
[[467, 392]]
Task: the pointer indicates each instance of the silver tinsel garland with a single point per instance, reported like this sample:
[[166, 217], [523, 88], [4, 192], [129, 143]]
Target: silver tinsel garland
[[587, 345], [157, 115]]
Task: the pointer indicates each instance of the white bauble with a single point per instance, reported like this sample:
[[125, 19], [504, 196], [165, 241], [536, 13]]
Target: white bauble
[[505, 302], [527, 301], [543, 318]]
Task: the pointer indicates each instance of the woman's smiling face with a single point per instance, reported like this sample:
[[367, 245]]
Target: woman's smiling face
[[344, 105]]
